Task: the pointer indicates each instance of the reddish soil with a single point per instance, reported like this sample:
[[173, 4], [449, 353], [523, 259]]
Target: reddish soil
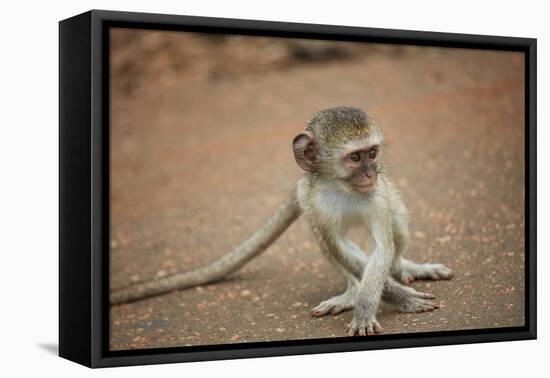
[[200, 161]]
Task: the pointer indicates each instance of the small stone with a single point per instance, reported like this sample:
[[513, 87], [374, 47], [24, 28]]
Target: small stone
[[443, 239], [419, 235], [245, 293], [307, 244], [161, 273], [235, 337]]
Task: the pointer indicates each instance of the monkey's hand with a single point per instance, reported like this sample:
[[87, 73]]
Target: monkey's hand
[[364, 318], [364, 326]]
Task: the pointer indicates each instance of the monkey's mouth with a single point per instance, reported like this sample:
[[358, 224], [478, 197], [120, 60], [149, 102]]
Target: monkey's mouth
[[365, 187]]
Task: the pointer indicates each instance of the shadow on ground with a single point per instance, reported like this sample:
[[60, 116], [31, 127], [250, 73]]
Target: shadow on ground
[[51, 348]]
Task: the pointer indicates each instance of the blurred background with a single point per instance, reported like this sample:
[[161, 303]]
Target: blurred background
[[201, 127]]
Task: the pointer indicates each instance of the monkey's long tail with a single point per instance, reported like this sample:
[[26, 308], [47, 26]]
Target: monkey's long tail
[[220, 268]]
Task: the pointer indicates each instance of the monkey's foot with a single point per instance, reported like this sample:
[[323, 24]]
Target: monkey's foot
[[413, 304], [410, 300], [412, 272], [335, 305], [363, 327]]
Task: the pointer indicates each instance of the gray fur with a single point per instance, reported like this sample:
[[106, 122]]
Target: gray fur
[[331, 208]]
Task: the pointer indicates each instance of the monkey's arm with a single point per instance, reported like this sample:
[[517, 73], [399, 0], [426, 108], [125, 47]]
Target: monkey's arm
[[220, 268], [373, 281]]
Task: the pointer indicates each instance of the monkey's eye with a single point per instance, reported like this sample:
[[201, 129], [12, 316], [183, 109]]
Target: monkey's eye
[[372, 154], [355, 157]]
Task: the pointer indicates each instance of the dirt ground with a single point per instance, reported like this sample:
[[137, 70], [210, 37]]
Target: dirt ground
[[200, 158]]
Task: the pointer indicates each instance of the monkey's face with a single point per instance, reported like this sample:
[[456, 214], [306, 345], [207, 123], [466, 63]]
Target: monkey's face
[[341, 144], [361, 166], [354, 163]]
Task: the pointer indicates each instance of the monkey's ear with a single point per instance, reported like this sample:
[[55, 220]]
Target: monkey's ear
[[306, 152]]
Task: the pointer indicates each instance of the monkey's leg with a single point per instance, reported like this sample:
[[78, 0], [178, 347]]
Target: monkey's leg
[[402, 298], [408, 271], [411, 271]]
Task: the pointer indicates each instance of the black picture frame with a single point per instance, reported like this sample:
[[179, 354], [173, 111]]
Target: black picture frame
[[84, 188]]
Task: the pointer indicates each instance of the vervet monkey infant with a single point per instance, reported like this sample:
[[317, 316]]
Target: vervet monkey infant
[[345, 186]]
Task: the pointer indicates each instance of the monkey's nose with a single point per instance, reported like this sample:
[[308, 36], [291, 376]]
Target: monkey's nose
[[368, 174]]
